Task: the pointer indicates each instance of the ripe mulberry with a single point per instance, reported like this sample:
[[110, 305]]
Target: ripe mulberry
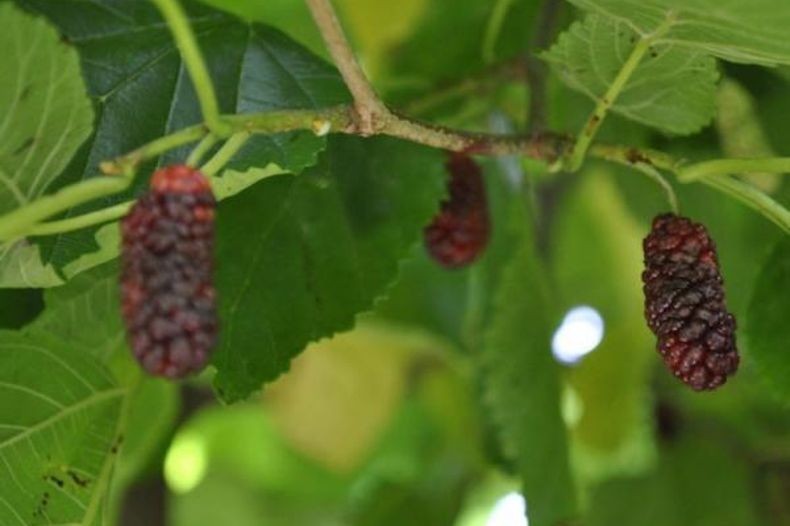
[[459, 232], [167, 292], [684, 303]]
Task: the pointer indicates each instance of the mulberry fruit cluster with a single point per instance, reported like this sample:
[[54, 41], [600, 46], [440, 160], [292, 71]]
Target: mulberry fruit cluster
[[684, 303], [459, 233], [167, 292]]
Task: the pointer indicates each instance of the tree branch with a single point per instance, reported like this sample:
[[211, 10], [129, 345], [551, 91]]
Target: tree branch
[[371, 113]]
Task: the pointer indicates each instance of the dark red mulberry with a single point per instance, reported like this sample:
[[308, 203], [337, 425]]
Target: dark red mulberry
[[684, 303], [168, 297], [459, 232]]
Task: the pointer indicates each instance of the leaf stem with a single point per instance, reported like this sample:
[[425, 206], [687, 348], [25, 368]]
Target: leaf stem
[[656, 176], [629, 156], [15, 223], [193, 59], [228, 150], [338, 118], [701, 170], [201, 149], [751, 197], [104, 215], [128, 162], [605, 103]]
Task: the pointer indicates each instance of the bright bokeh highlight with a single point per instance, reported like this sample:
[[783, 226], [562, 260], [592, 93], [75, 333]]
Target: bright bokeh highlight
[[186, 462], [580, 332], [510, 510]]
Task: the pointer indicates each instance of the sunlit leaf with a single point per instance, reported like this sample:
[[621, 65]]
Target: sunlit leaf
[[751, 32], [59, 418], [673, 89]]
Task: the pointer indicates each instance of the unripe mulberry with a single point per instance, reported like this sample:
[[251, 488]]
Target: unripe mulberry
[[459, 232], [684, 303], [167, 291]]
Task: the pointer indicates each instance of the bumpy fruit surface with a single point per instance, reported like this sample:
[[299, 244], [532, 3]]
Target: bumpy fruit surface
[[167, 292], [459, 232], [684, 303]]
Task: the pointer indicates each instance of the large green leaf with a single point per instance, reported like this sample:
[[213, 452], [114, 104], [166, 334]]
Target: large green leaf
[[59, 429], [522, 387], [142, 90], [46, 115], [597, 258], [767, 328], [673, 89], [83, 318], [300, 256], [89, 300], [751, 32]]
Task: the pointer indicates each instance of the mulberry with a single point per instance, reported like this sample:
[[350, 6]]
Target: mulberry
[[684, 303], [460, 231], [167, 292]]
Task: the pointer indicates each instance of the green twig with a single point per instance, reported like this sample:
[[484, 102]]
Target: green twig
[[629, 156], [18, 222], [201, 149], [751, 197], [697, 171], [193, 59], [225, 154], [605, 103], [656, 176], [335, 119], [98, 217], [128, 162]]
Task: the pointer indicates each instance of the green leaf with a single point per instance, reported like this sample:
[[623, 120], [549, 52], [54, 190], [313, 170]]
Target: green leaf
[[90, 300], [59, 420], [148, 94], [46, 115], [522, 387], [301, 256], [767, 330], [673, 89], [753, 32]]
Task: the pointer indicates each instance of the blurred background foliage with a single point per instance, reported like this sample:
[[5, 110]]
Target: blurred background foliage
[[384, 425]]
